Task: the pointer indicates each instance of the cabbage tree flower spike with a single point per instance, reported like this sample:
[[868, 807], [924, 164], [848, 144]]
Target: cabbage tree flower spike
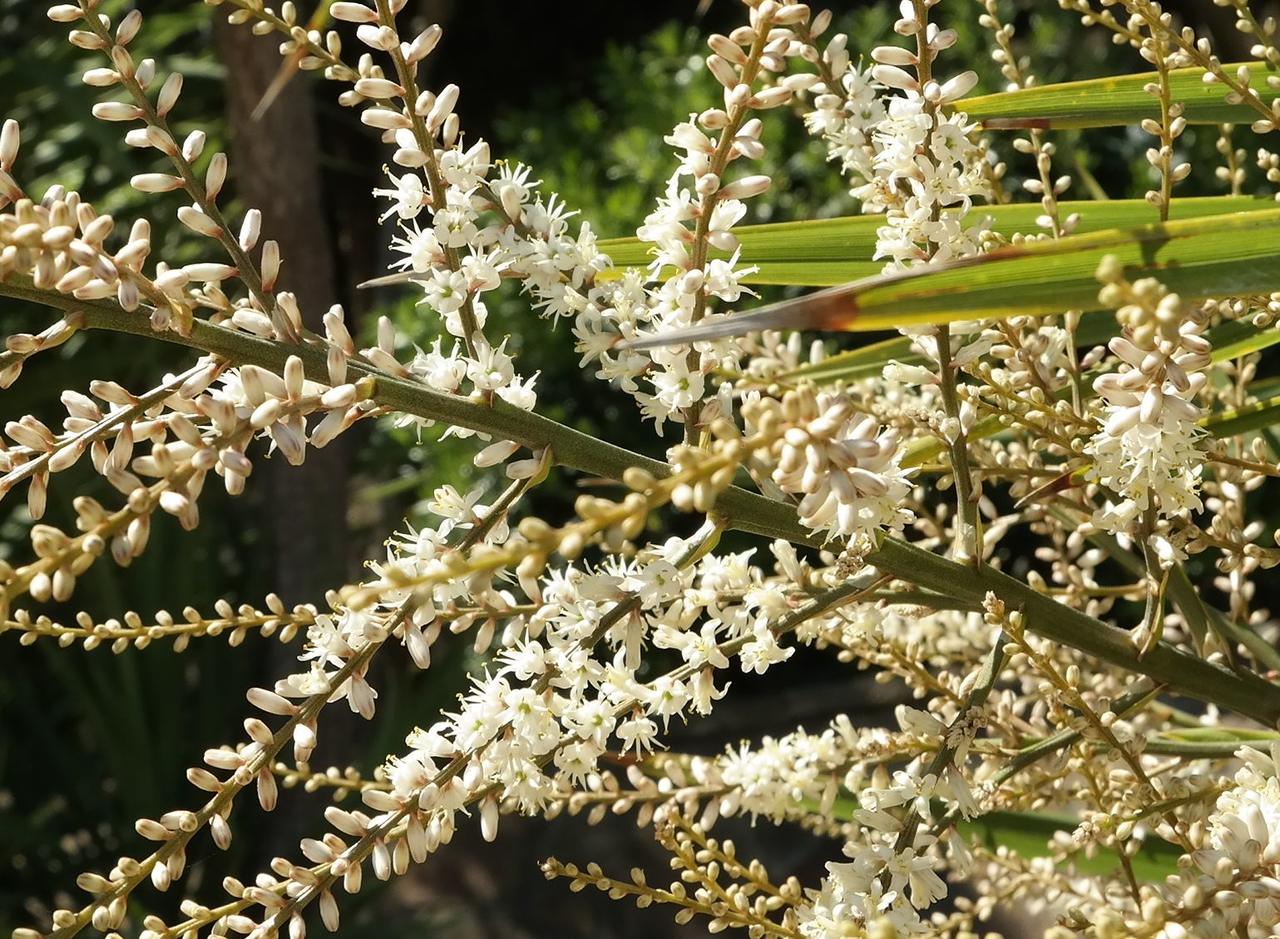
[[570, 608]]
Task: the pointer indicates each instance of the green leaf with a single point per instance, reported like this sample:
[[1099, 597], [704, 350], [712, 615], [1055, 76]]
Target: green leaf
[[1217, 256], [1254, 416], [826, 252], [1029, 834], [1220, 735], [1210, 742], [850, 365], [1113, 101], [1225, 255], [1235, 338], [857, 363]]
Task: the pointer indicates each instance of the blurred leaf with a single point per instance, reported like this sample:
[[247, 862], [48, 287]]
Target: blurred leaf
[[292, 63], [1029, 834], [1253, 416]]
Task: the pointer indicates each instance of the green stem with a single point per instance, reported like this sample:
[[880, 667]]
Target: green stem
[[1248, 695], [968, 529], [969, 522]]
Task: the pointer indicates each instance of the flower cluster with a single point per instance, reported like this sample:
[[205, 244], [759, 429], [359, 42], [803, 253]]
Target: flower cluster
[[1147, 450], [844, 466], [967, 512], [696, 258], [908, 158]]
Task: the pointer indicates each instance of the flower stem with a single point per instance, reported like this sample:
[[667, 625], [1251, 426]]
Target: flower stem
[[1248, 695]]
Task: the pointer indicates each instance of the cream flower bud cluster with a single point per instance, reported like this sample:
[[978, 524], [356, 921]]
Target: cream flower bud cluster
[[195, 427], [1147, 449], [198, 423], [259, 312], [1230, 885], [845, 468]]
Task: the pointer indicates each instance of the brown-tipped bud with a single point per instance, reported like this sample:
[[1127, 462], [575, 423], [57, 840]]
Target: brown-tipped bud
[[270, 265]]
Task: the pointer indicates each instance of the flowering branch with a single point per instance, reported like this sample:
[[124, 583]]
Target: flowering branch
[[742, 510]]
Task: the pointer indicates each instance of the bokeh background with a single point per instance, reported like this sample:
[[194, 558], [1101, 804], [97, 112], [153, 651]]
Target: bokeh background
[[583, 91]]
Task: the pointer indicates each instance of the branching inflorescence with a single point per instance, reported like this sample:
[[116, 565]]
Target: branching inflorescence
[[1053, 687]]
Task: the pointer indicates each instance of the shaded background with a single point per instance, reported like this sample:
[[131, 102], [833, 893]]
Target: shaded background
[[583, 91]]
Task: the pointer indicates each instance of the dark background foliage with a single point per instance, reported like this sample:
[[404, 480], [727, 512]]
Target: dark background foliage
[[582, 91]]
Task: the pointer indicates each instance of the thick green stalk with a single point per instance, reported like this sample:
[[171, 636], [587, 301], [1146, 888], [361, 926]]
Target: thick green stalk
[[746, 511]]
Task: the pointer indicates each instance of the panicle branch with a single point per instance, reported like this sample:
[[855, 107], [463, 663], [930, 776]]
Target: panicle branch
[[1047, 620]]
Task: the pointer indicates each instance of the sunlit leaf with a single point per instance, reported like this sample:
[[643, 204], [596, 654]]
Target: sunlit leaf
[[1217, 256], [826, 252], [852, 364], [1113, 101]]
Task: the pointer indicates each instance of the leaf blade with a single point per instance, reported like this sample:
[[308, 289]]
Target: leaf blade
[[1117, 100], [828, 252], [1217, 256]]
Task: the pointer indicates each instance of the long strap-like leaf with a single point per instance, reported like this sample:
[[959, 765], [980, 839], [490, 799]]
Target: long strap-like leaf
[[1217, 256], [1113, 101], [830, 251]]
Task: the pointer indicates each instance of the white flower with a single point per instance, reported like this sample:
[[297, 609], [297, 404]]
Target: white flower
[[492, 368], [519, 392], [421, 247], [655, 583], [638, 734], [763, 651], [409, 194], [438, 370], [445, 291]]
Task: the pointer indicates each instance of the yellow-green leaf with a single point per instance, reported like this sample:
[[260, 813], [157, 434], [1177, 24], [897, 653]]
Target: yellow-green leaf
[[1254, 416], [852, 364], [1217, 256], [1113, 101], [830, 251]]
